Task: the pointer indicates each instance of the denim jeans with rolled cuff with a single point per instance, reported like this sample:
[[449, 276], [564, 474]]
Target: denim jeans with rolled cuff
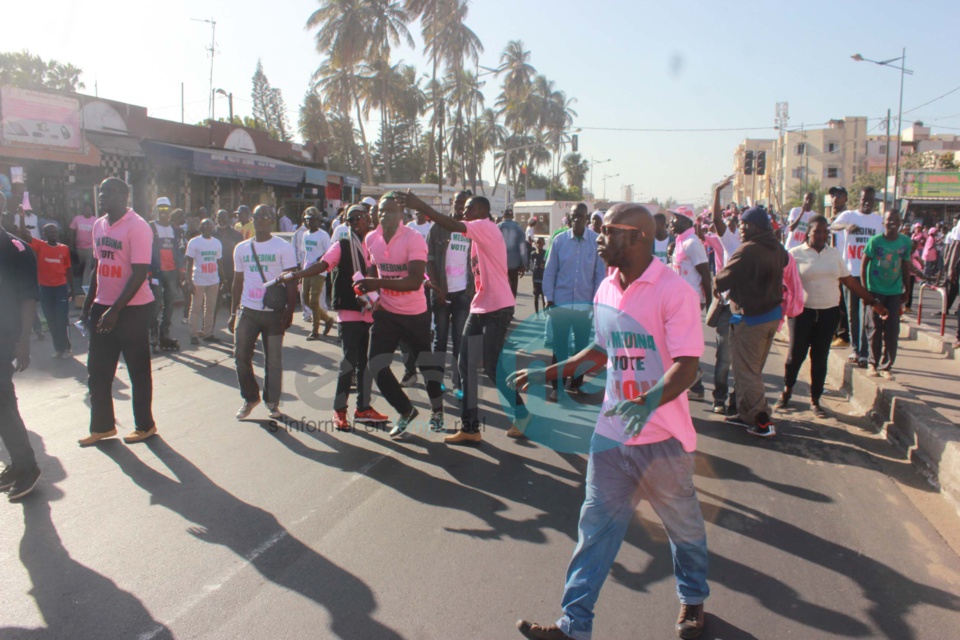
[[617, 479]]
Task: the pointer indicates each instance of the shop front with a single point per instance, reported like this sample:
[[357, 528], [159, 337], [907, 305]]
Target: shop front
[[217, 179], [931, 197]]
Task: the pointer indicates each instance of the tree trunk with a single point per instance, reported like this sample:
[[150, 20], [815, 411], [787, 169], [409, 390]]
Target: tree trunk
[[363, 138], [386, 135]]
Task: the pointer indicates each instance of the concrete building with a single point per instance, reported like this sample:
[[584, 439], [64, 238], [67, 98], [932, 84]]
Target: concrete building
[[833, 155], [752, 188]]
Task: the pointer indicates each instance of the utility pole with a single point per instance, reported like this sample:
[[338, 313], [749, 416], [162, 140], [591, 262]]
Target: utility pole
[[781, 119], [212, 50], [593, 162], [886, 166], [182, 117]]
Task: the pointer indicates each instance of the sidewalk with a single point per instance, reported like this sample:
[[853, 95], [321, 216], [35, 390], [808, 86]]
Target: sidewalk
[[919, 409]]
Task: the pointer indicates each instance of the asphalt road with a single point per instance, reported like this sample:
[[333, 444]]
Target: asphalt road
[[226, 529]]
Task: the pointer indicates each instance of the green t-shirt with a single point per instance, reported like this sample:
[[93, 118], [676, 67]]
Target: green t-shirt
[[885, 271]]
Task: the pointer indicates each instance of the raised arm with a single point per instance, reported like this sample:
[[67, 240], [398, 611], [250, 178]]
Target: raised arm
[[717, 211], [411, 201]]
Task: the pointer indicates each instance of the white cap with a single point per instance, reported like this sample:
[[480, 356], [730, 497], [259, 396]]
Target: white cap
[[163, 200], [369, 201]]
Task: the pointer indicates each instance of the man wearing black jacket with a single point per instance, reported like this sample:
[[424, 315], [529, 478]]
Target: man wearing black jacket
[[18, 300], [451, 285], [754, 278], [167, 270]]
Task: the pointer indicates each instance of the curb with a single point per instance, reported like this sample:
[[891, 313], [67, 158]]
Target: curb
[[929, 440]]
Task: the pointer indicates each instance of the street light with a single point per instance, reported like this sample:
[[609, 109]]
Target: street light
[[593, 162], [903, 71], [229, 97], [605, 176]]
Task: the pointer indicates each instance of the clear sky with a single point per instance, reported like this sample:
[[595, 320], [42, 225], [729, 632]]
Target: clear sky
[[650, 65]]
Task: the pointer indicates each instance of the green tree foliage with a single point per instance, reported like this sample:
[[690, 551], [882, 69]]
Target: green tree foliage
[[268, 106], [797, 192], [28, 71]]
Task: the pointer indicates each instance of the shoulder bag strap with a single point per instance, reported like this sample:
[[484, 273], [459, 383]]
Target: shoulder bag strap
[[257, 260]]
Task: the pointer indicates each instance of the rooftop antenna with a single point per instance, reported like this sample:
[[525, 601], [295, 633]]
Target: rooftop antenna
[[212, 49]]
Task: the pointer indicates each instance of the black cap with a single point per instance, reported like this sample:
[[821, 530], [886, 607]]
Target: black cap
[[835, 191]]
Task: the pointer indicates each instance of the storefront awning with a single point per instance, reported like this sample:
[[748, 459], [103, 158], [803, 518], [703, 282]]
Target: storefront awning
[[116, 145], [89, 154], [316, 177], [225, 164]]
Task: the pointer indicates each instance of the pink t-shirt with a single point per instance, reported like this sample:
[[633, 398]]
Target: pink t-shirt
[[332, 258], [392, 261], [117, 248], [84, 228], [643, 329], [488, 260]]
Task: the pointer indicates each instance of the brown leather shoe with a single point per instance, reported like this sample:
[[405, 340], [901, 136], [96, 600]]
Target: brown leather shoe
[[464, 437], [515, 433], [690, 621], [534, 631], [139, 436], [96, 437]]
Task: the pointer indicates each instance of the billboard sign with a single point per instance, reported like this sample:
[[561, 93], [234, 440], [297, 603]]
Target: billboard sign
[[923, 185], [33, 118]]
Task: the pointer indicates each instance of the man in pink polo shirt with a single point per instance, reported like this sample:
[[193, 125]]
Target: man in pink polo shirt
[[400, 257], [649, 338], [117, 312], [490, 311], [81, 228]]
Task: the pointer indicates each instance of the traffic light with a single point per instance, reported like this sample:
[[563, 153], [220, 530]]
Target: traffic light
[[576, 143], [748, 164], [761, 162]]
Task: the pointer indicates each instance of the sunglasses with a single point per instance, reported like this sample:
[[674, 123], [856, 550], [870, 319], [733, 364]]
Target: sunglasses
[[608, 229], [354, 219]]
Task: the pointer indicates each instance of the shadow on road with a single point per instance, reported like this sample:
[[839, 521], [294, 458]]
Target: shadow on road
[[256, 536], [74, 600]]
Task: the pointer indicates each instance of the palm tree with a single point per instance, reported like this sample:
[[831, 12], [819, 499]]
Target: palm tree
[[344, 32], [575, 169], [387, 29]]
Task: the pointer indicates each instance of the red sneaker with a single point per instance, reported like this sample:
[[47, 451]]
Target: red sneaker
[[340, 422], [369, 415]]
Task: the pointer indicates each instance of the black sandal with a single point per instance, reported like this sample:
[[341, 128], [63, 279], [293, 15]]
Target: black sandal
[[784, 400], [818, 410]]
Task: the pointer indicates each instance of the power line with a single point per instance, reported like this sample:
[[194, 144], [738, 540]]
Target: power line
[[954, 90]]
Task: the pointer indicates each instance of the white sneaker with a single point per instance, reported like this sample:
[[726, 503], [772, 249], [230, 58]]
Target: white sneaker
[[247, 409], [274, 409]]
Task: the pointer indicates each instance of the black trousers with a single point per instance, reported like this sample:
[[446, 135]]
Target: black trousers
[[513, 275], [13, 432], [355, 342], [482, 341], [388, 330], [131, 339], [843, 328], [811, 332], [884, 334]]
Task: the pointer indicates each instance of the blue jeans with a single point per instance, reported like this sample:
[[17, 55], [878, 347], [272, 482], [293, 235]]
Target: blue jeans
[[56, 309], [858, 328], [617, 479], [454, 313], [721, 370]]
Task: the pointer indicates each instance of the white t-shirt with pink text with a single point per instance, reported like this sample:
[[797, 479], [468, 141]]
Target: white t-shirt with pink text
[[276, 255], [799, 236]]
